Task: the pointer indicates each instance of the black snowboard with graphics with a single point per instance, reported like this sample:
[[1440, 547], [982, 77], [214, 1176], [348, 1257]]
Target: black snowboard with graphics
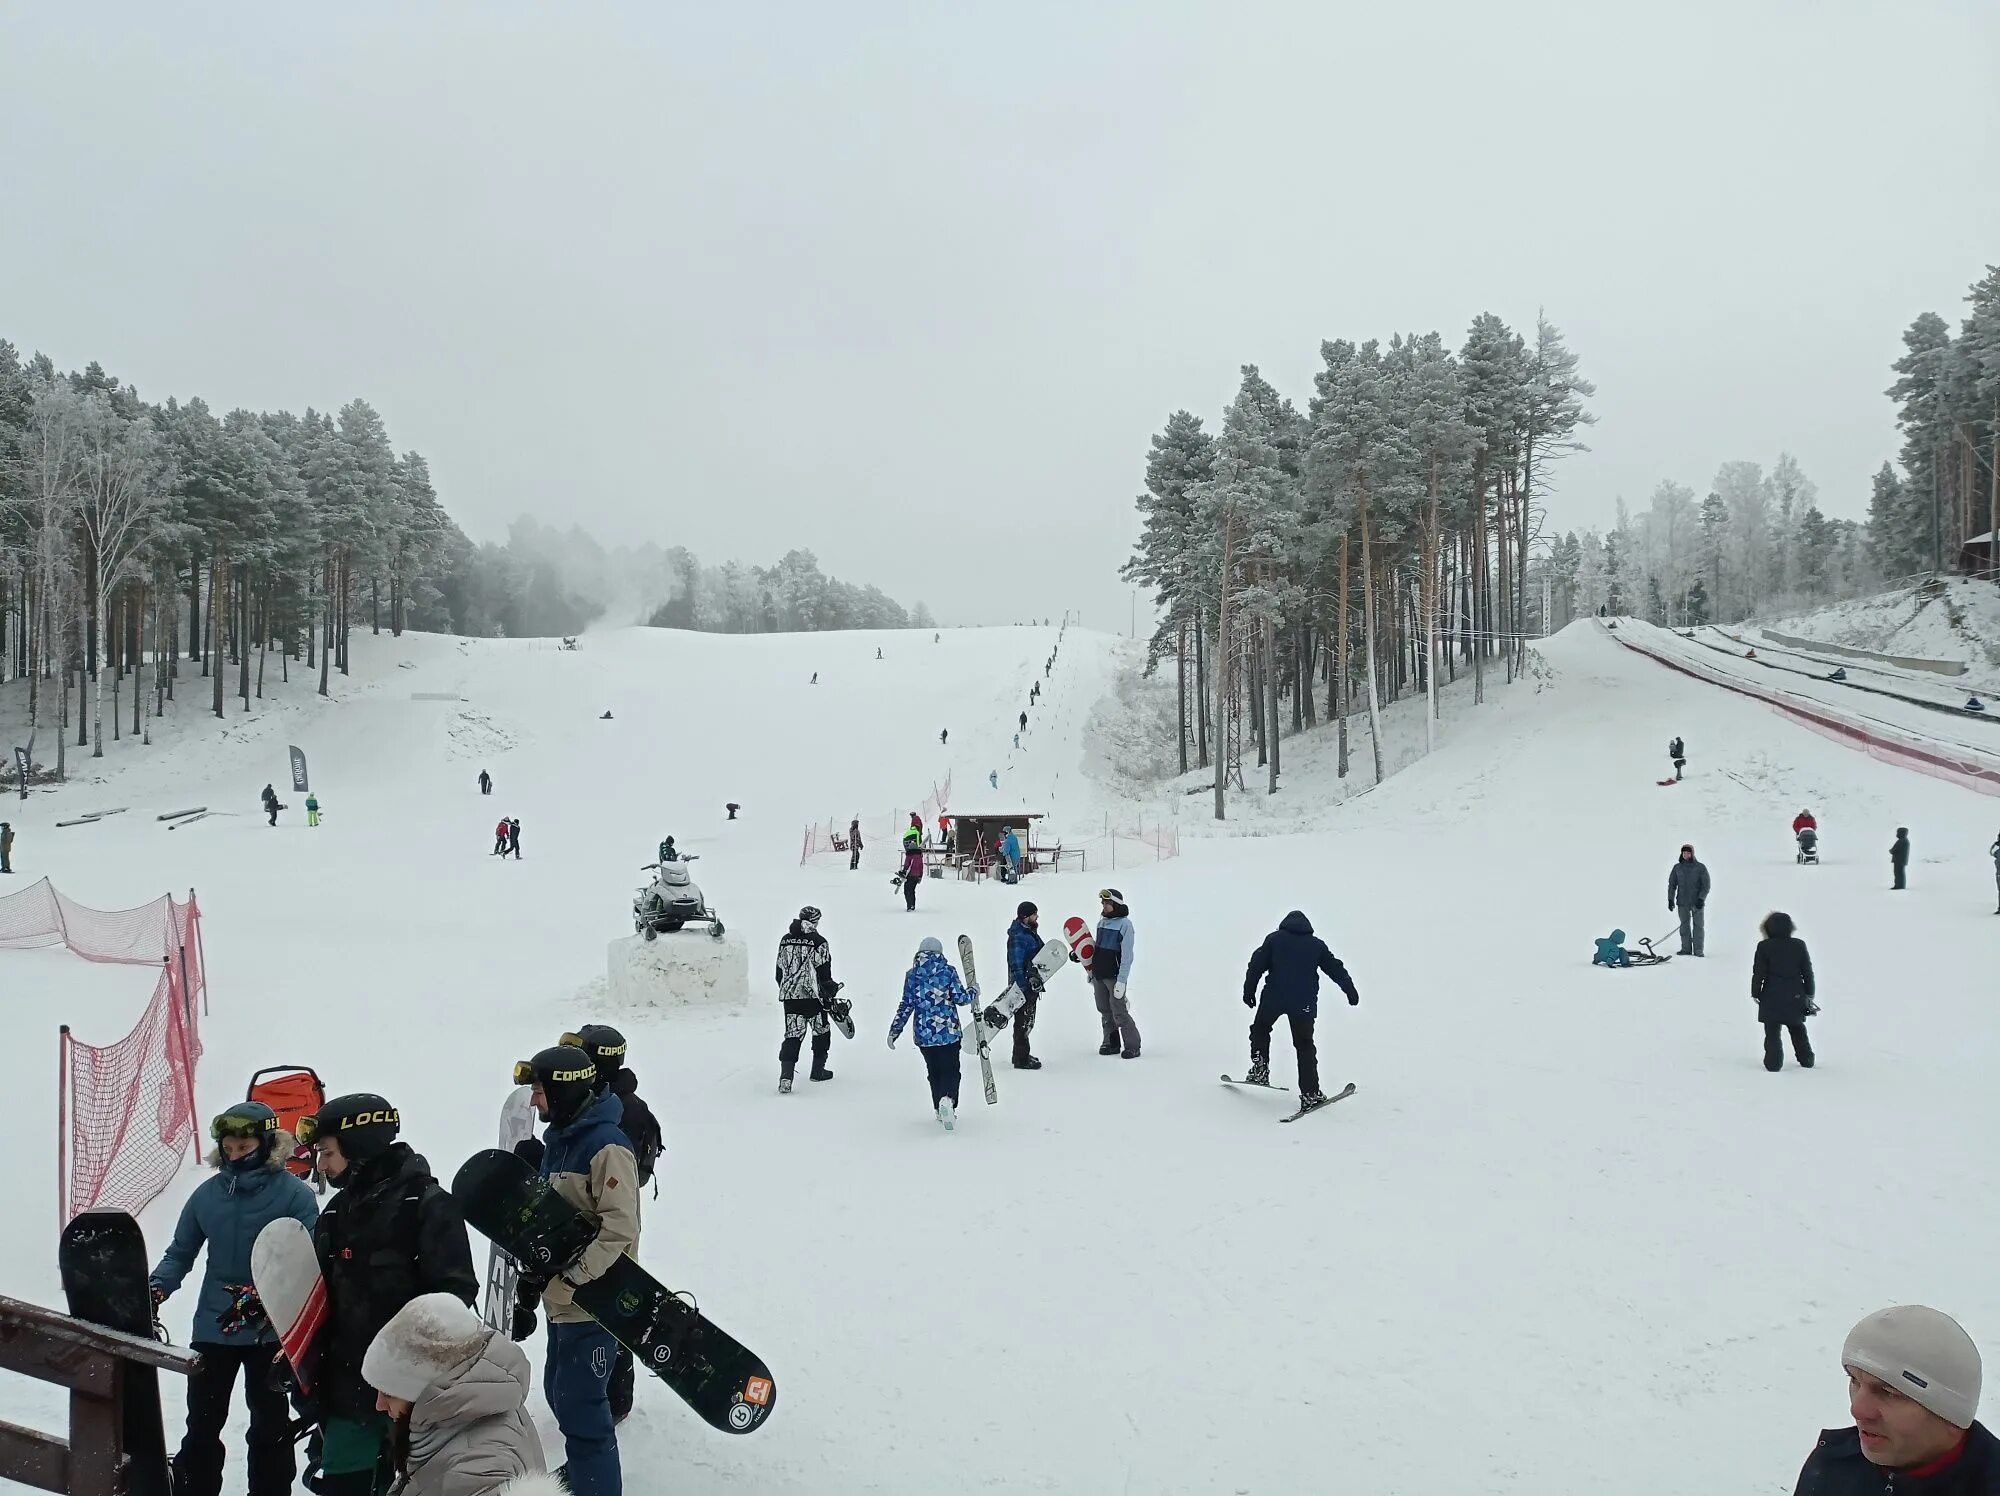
[[102, 1256], [713, 1373]]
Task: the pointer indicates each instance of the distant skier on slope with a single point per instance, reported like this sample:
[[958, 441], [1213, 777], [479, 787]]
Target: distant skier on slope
[[932, 995], [1289, 963], [806, 991]]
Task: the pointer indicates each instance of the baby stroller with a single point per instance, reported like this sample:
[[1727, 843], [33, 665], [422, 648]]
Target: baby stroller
[[292, 1091], [1808, 845]]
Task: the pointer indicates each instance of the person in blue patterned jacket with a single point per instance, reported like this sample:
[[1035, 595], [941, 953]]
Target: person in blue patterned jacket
[[932, 995]]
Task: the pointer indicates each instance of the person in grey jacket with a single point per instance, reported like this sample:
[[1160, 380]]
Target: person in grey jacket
[[250, 1189], [1687, 891], [1110, 970], [457, 1391]]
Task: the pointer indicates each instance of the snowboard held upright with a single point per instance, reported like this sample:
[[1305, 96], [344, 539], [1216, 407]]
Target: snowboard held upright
[[102, 1257], [712, 1372]]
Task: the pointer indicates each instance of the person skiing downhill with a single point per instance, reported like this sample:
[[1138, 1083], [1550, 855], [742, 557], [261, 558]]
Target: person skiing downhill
[[1687, 892], [1024, 942], [589, 1162], [807, 992], [389, 1234], [1899, 858], [1110, 970], [1289, 963], [1781, 984], [249, 1189], [932, 995]]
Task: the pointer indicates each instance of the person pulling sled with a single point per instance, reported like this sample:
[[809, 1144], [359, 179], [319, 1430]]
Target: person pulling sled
[[1289, 963]]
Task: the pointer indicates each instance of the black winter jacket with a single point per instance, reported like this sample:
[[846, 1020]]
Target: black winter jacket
[[1839, 1468], [1289, 962], [1899, 852], [640, 1126], [1687, 884], [390, 1235], [1781, 979]]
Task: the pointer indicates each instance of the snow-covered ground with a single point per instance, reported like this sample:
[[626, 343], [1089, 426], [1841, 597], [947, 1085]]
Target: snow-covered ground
[[1563, 1199], [1960, 621]]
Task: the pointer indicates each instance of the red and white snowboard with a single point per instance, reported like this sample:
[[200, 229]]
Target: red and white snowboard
[[285, 1269], [1082, 944]]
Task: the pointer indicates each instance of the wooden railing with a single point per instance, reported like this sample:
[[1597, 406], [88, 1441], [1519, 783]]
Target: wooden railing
[[95, 1365]]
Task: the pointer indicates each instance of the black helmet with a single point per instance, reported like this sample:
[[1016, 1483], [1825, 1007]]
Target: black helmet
[[605, 1046], [363, 1123], [567, 1075], [246, 1119]]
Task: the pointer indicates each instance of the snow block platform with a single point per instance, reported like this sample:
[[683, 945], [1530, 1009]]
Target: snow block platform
[[687, 969]]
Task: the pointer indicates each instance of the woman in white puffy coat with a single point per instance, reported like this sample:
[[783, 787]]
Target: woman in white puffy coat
[[457, 1391]]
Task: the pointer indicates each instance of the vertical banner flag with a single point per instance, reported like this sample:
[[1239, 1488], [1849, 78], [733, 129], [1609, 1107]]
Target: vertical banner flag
[[299, 784]]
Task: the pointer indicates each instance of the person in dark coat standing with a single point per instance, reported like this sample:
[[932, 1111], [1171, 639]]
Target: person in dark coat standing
[[1687, 891], [1289, 963], [271, 805], [485, 783], [6, 846], [854, 844], [1677, 751], [1913, 1388], [1024, 943], [514, 837], [1781, 983], [1899, 857]]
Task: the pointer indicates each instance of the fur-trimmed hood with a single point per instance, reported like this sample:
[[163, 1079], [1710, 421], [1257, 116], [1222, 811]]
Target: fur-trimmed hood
[[284, 1146]]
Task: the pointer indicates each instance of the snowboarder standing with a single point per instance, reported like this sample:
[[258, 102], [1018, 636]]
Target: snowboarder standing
[[485, 783], [249, 1189], [913, 866], [6, 846], [932, 995], [271, 806], [1687, 891], [1899, 858], [1024, 943], [312, 810], [389, 1234], [854, 844], [806, 991], [514, 837], [589, 1162], [1781, 982], [1677, 751], [500, 838], [1289, 963], [1110, 970]]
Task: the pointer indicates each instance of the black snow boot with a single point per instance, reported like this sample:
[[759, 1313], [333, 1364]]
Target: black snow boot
[[1026, 1062], [1109, 1046], [1260, 1071], [1312, 1099], [820, 1072]]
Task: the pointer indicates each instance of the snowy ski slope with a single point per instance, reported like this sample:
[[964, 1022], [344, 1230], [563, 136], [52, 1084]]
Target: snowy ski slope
[[1563, 1199]]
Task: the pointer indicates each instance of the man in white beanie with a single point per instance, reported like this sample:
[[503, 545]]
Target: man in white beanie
[[1913, 1388], [456, 1391]]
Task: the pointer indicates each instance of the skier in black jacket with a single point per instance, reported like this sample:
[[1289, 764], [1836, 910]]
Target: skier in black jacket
[[809, 995], [1913, 1388], [389, 1234], [1781, 983], [1289, 963]]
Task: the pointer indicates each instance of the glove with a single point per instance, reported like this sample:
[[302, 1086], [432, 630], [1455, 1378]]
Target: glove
[[524, 1322], [1119, 992], [159, 1294], [1249, 1001], [892, 1041], [1353, 999], [972, 991]]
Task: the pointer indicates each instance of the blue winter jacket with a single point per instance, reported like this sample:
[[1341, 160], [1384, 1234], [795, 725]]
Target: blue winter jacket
[[934, 994], [1023, 945], [1010, 847], [1611, 951], [226, 1211], [1113, 961], [1290, 961]]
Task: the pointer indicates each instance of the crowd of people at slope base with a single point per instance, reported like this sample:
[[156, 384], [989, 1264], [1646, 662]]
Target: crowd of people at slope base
[[413, 1393]]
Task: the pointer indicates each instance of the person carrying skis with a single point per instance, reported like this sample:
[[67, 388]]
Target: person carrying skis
[[1110, 970], [389, 1234], [932, 995], [913, 866], [1687, 892], [1677, 751], [485, 783], [514, 837], [588, 1161], [1899, 858], [806, 991], [1611, 951], [605, 1045], [312, 810], [854, 844], [1024, 943], [500, 838], [249, 1189], [1781, 984], [1289, 963]]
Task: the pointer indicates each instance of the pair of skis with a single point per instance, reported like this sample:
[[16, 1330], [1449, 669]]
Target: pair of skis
[[978, 1027], [1303, 1111]]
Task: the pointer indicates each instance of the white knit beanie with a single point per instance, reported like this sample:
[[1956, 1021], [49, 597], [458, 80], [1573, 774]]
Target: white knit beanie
[[428, 1337], [1925, 1355]]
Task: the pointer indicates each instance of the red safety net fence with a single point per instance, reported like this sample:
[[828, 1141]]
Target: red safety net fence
[[125, 1111], [829, 839]]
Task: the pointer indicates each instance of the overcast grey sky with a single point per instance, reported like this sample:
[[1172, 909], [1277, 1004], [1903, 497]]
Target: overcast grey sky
[[912, 284]]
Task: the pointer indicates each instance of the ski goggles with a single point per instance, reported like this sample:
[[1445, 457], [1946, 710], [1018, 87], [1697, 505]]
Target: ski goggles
[[230, 1125], [524, 1072], [306, 1129]]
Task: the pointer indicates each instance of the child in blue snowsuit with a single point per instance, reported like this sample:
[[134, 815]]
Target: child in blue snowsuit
[[1611, 951], [933, 994]]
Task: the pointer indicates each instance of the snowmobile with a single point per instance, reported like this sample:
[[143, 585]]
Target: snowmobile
[[671, 900], [1808, 845]]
